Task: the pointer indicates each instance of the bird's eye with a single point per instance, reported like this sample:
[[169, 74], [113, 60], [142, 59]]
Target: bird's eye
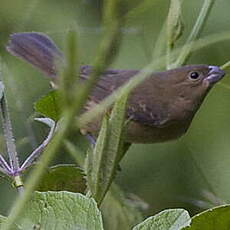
[[194, 75]]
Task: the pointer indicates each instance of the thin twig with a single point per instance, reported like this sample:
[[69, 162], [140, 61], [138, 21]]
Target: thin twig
[[7, 130]]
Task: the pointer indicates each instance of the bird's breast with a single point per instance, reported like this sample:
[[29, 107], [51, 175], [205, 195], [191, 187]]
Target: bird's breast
[[139, 133]]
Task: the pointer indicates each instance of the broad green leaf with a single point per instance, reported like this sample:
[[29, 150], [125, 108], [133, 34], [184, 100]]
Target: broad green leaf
[[174, 22], [217, 218], [48, 105], [61, 211], [170, 219], [103, 161], [63, 178], [119, 212]]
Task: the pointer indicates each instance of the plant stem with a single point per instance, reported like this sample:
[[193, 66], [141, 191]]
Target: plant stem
[[202, 18], [174, 29], [225, 65], [105, 56], [7, 129], [13, 169], [19, 184]]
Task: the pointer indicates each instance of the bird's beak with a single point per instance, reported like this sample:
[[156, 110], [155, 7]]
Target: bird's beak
[[215, 74]]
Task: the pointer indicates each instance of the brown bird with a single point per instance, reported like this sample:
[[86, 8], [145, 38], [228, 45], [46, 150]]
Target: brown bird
[[161, 108]]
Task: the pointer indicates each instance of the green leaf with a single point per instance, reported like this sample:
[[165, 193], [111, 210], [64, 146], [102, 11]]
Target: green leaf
[[119, 212], [170, 219], [102, 163], [63, 177], [217, 218], [116, 129], [49, 105], [174, 22], [61, 211], [95, 162]]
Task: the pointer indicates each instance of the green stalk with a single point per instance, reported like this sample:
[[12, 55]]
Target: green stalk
[[225, 65], [10, 142], [202, 18], [174, 29], [8, 135], [105, 56]]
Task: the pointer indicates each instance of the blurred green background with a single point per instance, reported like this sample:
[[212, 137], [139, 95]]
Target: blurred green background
[[190, 172]]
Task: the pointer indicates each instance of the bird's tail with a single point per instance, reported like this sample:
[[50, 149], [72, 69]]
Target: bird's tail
[[37, 49]]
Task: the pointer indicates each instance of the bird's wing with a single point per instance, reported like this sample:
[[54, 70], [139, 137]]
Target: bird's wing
[[109, 81], [138, 109]]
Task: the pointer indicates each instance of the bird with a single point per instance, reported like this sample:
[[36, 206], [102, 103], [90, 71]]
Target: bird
[[159, 109]]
